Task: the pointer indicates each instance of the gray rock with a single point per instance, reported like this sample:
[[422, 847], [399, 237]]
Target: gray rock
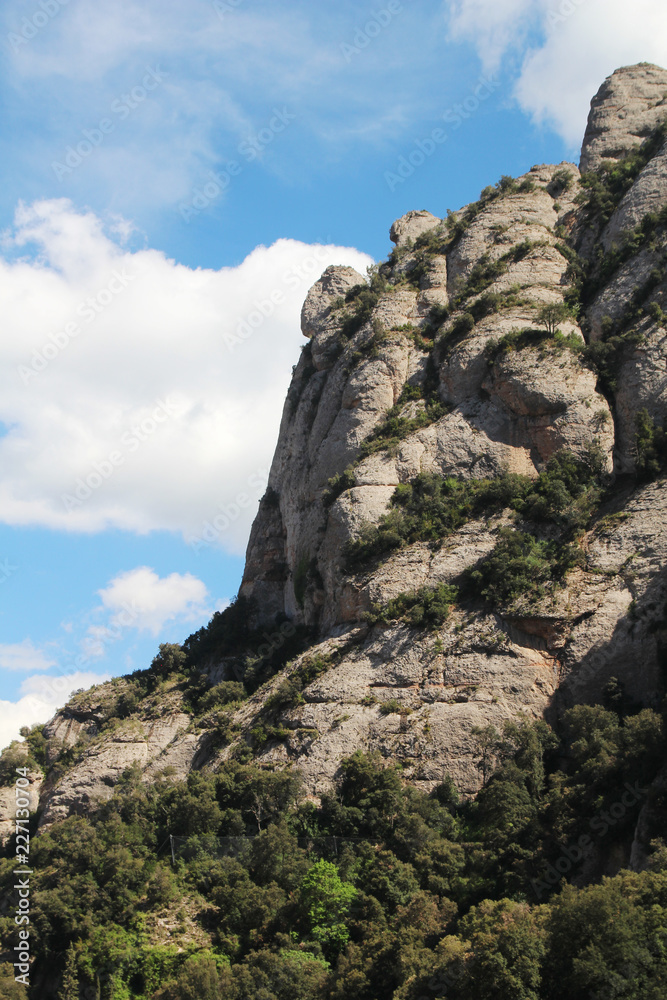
[[502, 410], [411, 225], [625, 110], [647, 194]]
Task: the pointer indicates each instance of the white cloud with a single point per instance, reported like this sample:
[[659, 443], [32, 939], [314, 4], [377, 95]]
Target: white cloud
[[221, 80], [40, 697], [583, 49], [148, 602], [581, 43], [160, 388], [23, 656], [493, 26]]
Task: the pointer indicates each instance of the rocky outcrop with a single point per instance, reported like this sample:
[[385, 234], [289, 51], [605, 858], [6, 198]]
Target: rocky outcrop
[[508, 413], [8, 792], [625, 110], [441, 361], [90, 745], [410, 226], [647, 194]]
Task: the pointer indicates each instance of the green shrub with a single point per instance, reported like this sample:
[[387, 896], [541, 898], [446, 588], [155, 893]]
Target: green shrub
[[172, 659], [364, 297], [457, 223], [520, 565], [606, 356], [432, 507], [518, 340], [650, 447], [12, 757], [424, 608], [325, 900], [395, 429], [487, 271], [225, 693], [36, 740], [393, 707], [288, 695], [567, 492], [561, 181], [604, 188], [338, 485], [429, 509]]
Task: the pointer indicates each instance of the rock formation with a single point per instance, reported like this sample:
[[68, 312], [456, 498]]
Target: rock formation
[[445, 364]]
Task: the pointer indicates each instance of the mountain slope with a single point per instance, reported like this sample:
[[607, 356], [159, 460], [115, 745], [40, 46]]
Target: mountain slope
[[446, 367]]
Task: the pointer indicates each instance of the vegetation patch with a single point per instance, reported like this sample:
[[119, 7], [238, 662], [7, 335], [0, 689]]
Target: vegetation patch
[[604, 188], [457, 224], [431, 507], [230, 634], [545, 342], [362, 299], [395, 428], [377, 891], [606, 356], [650, 448], [487, 271], [521, 565], [426, 608]]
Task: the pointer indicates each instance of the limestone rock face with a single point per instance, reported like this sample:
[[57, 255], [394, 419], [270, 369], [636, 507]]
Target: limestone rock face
[[512, 412], [335, 281], [412, 225], [8, 797], [155, 737], [472, 675], [440, 361], [647, 194], [625, 110]]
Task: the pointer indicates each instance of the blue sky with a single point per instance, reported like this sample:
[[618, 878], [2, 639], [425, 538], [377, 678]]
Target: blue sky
[[175, 176]]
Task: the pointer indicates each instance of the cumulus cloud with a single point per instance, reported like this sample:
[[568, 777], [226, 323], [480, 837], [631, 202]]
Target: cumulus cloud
[[41, 696], [137, 393], [141, 599], [137, 602], [23, 656], [580, 42]]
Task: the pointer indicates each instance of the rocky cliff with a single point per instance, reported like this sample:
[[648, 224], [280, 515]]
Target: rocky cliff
[[520, 335]]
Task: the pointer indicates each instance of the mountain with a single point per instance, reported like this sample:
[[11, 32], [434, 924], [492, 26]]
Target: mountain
[[465, 526]]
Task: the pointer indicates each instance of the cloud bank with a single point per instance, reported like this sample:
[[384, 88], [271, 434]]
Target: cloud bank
[[137, 393]]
